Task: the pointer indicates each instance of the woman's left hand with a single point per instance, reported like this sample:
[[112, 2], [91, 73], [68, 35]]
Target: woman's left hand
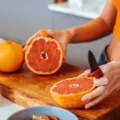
[[109, 83]]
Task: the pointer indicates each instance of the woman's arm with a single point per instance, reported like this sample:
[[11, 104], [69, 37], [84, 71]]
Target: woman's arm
[[87, 32], [113, 50], [97, 28]]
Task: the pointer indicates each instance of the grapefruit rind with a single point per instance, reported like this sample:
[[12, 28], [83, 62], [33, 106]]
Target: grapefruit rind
[[30, 46], [71, 100], [41, 32]]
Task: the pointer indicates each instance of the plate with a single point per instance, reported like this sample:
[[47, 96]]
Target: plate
[[26, 114]]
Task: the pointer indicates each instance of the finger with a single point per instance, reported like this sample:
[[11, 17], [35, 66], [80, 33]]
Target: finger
[[100, 82], [64, 52], [85, 73], [95, 93], [96, 100], [23, 45], [103, 68], [50, 32], [64, 56], [30, 40], [107, 66], [117, 89], [37, 34]]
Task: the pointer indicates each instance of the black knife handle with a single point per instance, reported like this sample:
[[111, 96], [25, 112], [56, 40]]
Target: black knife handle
[[97, 74]]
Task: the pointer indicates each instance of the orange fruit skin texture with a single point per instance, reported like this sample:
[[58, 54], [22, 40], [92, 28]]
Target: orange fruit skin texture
[[71, 100], [11, 56]]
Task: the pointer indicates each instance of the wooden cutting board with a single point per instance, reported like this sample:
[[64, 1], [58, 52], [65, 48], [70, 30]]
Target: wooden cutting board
[[28, 89]]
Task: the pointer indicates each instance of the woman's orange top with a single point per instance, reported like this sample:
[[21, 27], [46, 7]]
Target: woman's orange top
[[116, 30]]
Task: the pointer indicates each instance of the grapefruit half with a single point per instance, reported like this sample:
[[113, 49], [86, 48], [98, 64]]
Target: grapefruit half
[[44, 55], [68, 93]]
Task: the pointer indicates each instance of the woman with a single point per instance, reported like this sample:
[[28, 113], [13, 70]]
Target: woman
[[108, 21]]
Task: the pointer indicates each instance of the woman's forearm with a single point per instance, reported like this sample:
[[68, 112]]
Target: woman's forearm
[[113, 50], [89, 31]]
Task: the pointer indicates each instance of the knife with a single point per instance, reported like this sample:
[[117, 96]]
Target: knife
[[95, 69]]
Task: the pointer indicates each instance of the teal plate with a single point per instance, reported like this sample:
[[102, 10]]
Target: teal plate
[[26, 114]]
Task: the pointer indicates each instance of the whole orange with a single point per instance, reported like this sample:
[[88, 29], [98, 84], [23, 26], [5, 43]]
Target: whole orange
[[11, 56]]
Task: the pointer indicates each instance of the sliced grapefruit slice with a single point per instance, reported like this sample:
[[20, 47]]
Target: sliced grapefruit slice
[[68, 93]]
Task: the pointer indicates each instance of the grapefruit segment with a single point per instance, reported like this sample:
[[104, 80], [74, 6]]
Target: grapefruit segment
[[44, 55], [68, 93]]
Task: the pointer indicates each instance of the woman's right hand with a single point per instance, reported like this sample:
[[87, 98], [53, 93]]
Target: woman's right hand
[[63, 37], [105, 85]]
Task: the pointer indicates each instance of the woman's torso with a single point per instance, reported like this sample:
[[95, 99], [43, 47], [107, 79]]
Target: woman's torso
[[113, 50]]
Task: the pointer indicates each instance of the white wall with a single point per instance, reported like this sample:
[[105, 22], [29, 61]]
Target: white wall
[[19, 19]]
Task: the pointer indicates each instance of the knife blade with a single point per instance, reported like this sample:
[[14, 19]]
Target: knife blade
[[92, 62], [95, 69]]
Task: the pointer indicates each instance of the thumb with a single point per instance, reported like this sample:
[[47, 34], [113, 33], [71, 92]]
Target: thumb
[[85, 73], [64, 53], [50, 33]]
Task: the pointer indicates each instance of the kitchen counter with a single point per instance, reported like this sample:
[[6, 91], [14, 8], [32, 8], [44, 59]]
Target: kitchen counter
[[86, 12], [7, 108]]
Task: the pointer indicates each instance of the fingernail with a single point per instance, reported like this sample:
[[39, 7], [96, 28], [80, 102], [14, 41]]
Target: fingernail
[[86, 107], [83, 99]]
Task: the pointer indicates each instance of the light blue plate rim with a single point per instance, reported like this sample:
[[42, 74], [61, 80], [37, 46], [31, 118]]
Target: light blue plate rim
[[53, 107]]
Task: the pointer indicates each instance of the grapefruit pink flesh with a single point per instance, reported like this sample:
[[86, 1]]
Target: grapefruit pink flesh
[[44, 55], [69, 92], [73, 86]]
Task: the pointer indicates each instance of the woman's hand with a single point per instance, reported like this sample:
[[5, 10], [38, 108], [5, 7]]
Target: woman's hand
[[63, 37], [109, 83]]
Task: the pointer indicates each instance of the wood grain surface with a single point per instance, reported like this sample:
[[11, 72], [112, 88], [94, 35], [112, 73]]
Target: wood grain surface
[[28, 89]]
